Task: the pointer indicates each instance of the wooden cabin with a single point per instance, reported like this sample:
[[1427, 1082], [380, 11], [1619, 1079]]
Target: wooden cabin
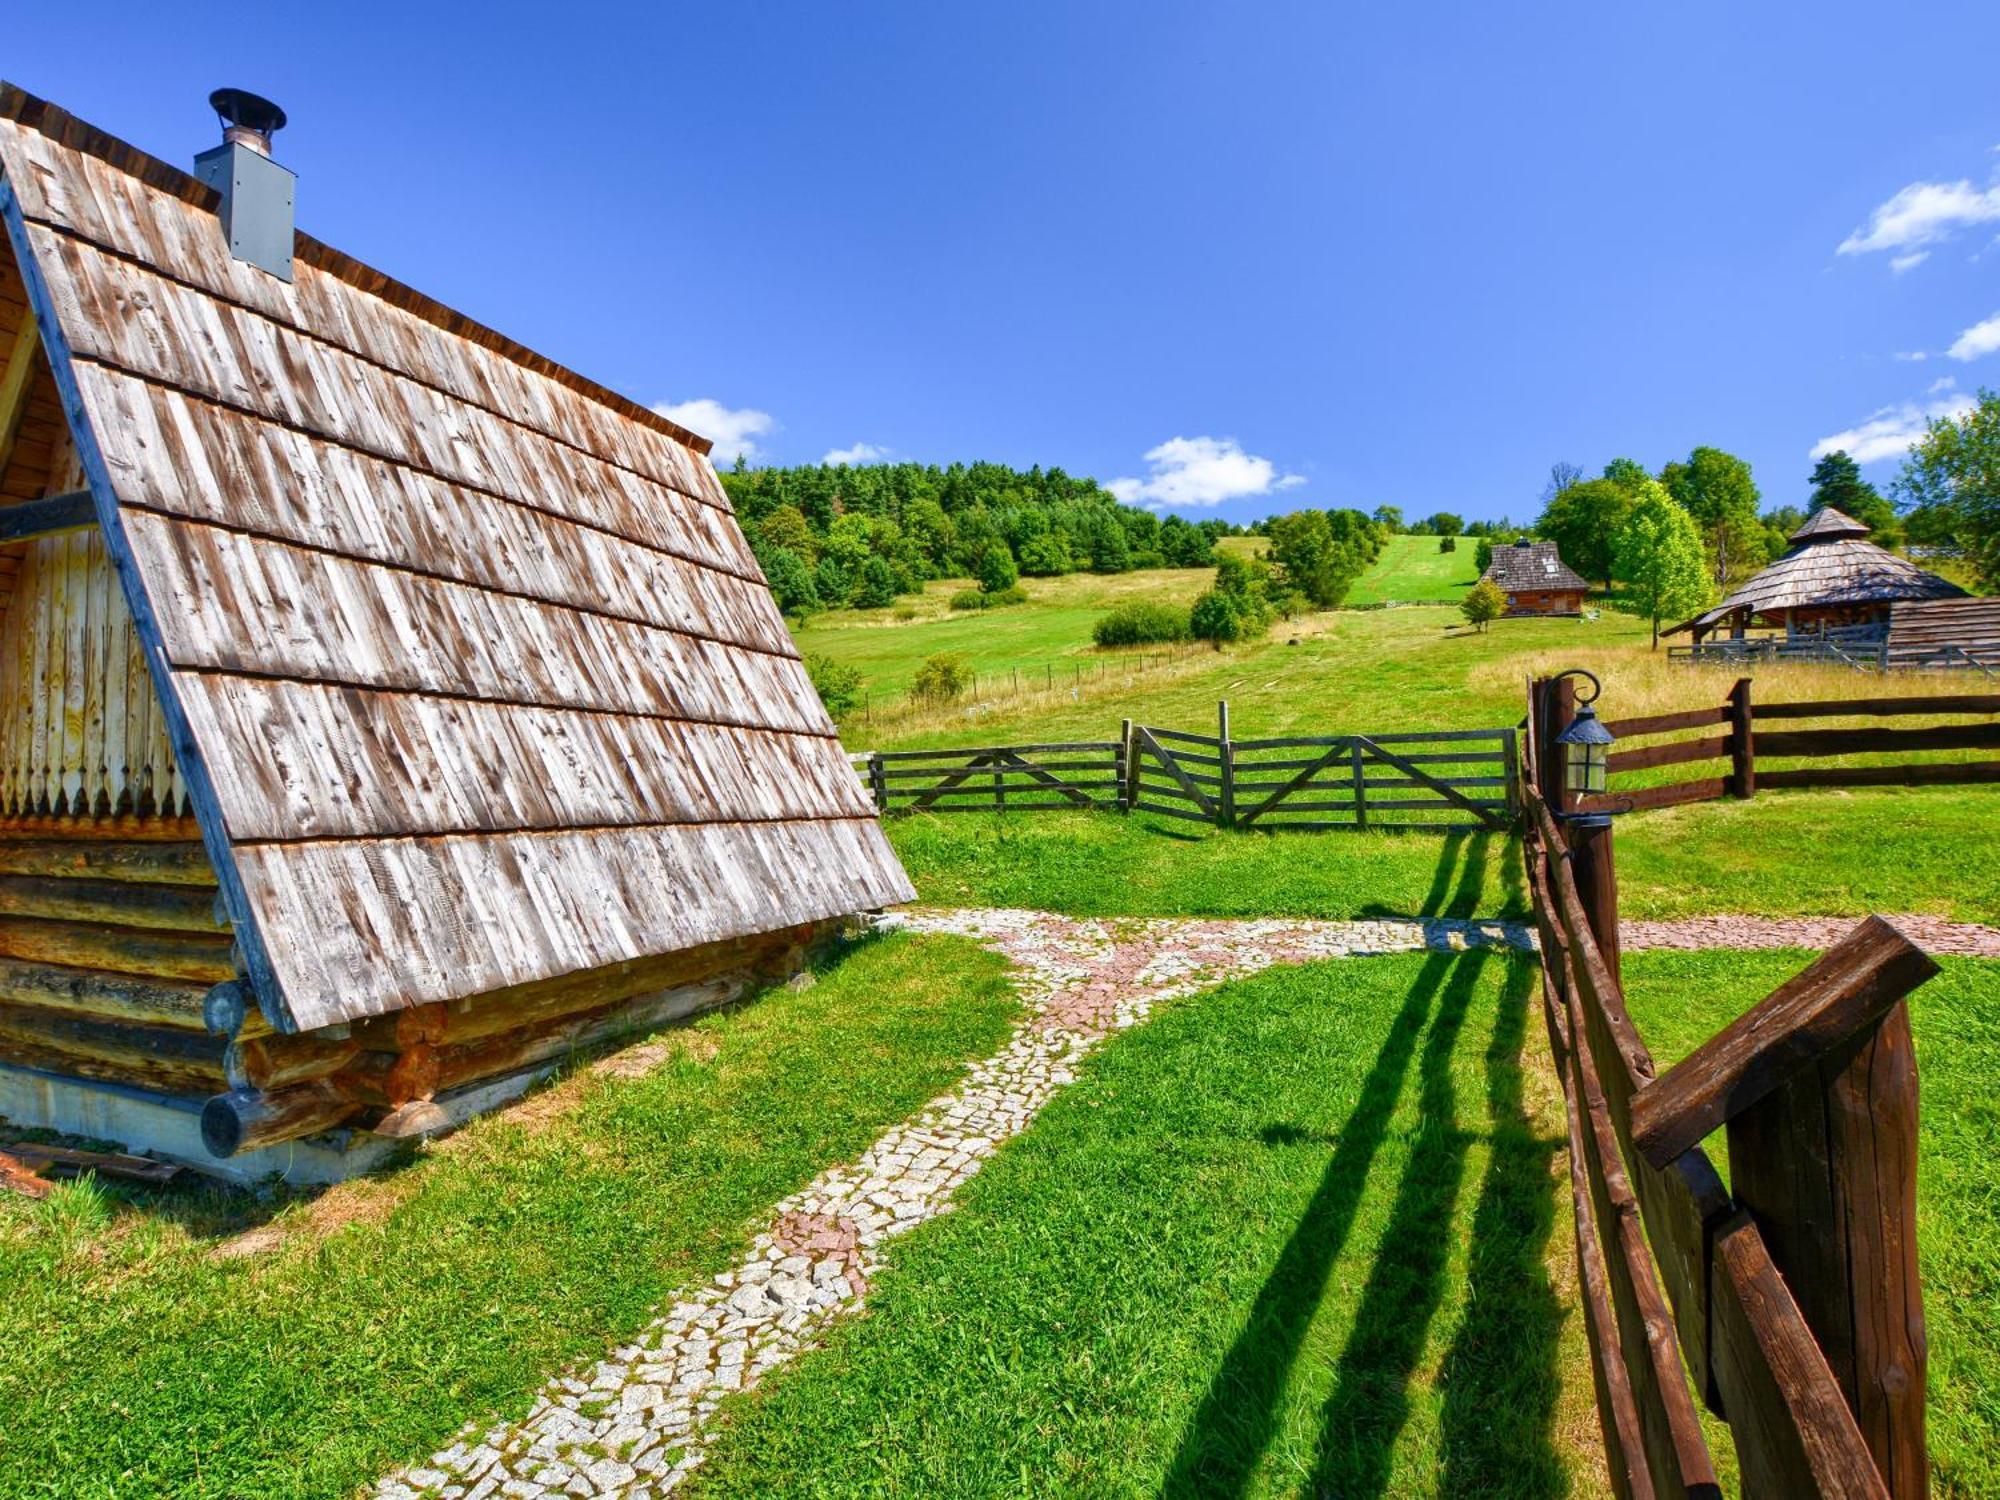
[[1535, 579], [1832, 579], [386, 712]]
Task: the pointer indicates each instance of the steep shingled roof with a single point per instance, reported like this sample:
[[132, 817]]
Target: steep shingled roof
[[468, 665], [1524, 565]]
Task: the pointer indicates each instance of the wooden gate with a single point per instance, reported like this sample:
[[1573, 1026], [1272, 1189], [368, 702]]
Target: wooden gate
[[1001, 778]]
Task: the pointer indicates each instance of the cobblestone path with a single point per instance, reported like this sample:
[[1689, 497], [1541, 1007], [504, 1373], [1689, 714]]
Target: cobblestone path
[[635, 1424], [1961, 939]]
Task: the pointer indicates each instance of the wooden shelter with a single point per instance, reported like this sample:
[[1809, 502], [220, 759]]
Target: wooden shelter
[[385, 710], [1833, 577], [1535, 579]]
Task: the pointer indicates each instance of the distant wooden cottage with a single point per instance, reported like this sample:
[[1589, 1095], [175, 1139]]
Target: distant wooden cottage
[[1832, 578], [1535, 579], [385, 710]]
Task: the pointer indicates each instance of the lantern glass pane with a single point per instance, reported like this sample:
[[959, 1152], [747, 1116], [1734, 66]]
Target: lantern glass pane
[[1584, 767]]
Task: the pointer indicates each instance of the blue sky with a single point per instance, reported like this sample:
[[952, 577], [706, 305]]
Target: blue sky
[[1243, 257]]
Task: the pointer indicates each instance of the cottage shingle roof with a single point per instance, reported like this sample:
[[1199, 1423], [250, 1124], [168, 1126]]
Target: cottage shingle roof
[[1521, 566], [467, 663]]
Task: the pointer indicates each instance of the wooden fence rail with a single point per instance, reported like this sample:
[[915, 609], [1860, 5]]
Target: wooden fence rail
[[1788, 1302], [1440, 781], [1744, 743]]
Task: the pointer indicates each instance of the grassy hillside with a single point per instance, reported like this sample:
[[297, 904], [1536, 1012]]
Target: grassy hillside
[[1411, 570]]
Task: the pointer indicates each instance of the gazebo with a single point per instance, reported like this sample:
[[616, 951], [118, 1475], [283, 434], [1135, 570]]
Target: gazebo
[[1832, 577]]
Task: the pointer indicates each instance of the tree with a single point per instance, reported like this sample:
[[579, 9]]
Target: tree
[[1444, 523], [1483, 603], [1716, 489], [1660, 559], [997, 572], [1390, 517], [1583, 520], [791, 582], [1562, 474], [1836, 481], [1312, 559], [1628, 474], [877, 586], [1215, 617], [838, 685], [786, 527], [1952, 477]]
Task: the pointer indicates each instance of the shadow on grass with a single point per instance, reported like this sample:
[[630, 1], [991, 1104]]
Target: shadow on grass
[[1223, 1441]]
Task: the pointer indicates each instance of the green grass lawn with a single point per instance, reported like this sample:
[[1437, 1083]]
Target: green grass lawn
[[1680, 999], [1301, 1235], [1782, 854], [1102, 865], [144, 1359], [1411, 570]]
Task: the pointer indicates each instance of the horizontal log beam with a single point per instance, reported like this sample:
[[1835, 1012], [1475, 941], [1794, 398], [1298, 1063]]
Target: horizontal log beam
[[1929, 773], [146, 863], [200, 957], [113, 903], [109, 997], [1692, 718], [1676, 754], [244, 1119], [73, 511], [277, 1062], [1807, 1016], [164, 1059], [1868, 741]]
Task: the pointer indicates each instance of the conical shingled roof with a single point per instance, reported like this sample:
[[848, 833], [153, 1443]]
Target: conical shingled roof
[[469, 668], [1828, 524]]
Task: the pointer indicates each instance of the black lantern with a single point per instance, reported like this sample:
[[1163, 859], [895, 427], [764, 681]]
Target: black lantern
[[1585, 743]]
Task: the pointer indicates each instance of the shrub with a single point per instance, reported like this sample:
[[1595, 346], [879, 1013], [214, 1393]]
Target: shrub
[[838, 685], [1141, 624], [974, 599], [904, 611], [1012, 595], [1485, 602], [942, 678], [997, 572], [968, 599], [1447, 544], [1216, 617]]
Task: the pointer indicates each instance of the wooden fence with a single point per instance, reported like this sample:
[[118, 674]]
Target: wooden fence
[[1789, 1301], [1437, 782], [1743, 740]]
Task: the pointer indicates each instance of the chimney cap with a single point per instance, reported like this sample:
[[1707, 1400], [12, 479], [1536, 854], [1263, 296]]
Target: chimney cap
[[250, 111]]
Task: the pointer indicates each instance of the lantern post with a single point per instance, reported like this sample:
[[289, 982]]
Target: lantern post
[[1583, 751]]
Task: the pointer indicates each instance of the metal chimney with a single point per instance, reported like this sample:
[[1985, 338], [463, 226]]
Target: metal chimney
[[256, 191]]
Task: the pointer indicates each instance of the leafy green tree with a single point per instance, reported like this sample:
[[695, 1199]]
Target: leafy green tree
[[1628, 474], [786, 527], [1952, 478], [1836, 481], [1444, 523], [1483, 603], [1046, 555], [1583, 521], [1660, 559], [1716, 489], [1312, 560], [1215, 617], [1186, 546], [876, 588], [838, 685], [996, 570], [833, 581], [1390, 518], [791, 582]]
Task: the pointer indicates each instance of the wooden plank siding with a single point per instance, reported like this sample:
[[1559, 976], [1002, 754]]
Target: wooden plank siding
[[475, 680]]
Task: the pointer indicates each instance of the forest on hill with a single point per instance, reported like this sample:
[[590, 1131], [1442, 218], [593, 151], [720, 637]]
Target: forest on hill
[[832, 535]]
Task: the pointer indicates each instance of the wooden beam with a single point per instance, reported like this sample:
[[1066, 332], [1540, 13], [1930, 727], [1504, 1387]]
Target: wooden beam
[[1449, 793], [1793, 1027], [74, 511], [15, 382]]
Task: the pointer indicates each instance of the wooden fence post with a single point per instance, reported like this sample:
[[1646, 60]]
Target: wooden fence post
[[1360, 786], [1743, 752], [1228, 800], [1827, 1166], [1128, 789], [877, 782]]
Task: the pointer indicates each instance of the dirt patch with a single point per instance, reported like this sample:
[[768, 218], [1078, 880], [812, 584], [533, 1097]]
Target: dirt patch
[[366, 1200]]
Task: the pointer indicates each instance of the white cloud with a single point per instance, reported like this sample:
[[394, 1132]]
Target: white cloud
[[1912, 356], [860, 453], [1924, 213], [1202, 471], [1889, 432], [1942, 383], [1980, 339], [733, 430], [1909, 262]]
